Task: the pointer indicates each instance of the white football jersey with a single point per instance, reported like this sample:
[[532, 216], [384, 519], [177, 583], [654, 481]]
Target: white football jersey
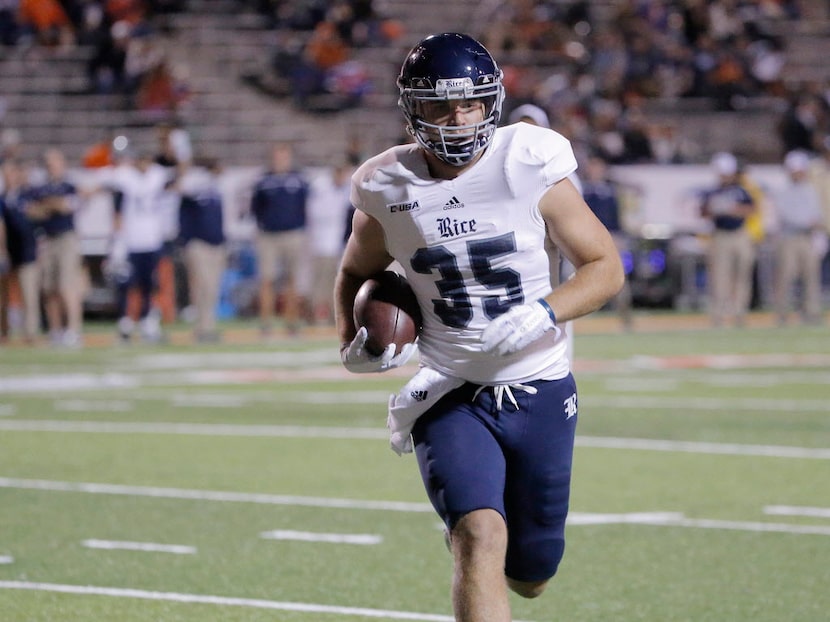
[[144, 214], [473, 246]]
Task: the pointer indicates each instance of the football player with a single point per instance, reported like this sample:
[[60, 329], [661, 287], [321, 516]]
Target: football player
[[469, 211]]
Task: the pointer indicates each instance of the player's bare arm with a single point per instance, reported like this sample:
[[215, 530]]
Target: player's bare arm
[[365, 254], [588, 245]]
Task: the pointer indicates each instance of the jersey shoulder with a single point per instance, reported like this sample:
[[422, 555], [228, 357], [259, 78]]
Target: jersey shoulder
[[400, 161], [534, 142], [526, 147], [387, 174]]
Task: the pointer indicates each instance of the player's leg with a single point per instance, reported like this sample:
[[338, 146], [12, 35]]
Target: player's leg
[[28, 276], [463, 472], [744, 263], [294, 256], [538, 443], [267, 267], [811, 275], [479, 543], [50, 263], [71, 285]]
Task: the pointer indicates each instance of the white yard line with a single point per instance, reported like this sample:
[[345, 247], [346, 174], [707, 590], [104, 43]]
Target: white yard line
[[6, 559], [708, 523], [149, 547], [93, 405], [194, 429], [728, 449], [212, 495], [226, 601], [675, 519], [294, 431], [796, 510], [365, 539], [715, 404], [638, 518]]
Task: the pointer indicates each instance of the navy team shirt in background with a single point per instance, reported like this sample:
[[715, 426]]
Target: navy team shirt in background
[[56, 224], [200, 218], [21, 239], [279, 200]]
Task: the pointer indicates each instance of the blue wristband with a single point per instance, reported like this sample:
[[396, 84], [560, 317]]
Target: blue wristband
[[547, 308]]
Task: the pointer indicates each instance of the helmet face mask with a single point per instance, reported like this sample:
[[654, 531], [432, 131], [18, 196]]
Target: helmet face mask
[[451, 95]]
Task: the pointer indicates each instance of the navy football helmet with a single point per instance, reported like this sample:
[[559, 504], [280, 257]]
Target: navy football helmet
[[447, 67]]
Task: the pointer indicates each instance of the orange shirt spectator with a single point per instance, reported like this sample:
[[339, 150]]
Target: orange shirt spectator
[[130, 11], [48, 18], [98, 155], [326, 48]]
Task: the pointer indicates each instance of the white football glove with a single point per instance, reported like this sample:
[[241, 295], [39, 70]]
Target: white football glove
[[117, 266], [516, 329], [358, 360]]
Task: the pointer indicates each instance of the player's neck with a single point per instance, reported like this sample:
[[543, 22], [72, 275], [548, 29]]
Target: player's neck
[[441, 170]]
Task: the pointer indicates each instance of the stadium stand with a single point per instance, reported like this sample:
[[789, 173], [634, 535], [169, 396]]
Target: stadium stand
[[214, 44]]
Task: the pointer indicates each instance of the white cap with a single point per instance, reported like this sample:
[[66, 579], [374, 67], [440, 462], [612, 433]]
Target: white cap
[[724, 163], [529, 111], [796, 161]]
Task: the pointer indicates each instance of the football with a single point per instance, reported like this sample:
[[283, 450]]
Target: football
[[386, 305]]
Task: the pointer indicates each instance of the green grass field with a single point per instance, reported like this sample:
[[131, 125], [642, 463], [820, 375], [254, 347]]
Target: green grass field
[[254, 482]]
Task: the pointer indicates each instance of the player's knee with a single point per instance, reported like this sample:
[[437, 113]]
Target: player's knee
[[530, 568], [478, 531], [527, 589]]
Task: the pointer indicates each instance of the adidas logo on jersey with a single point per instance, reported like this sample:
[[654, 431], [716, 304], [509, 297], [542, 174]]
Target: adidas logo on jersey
[[453, 203], [419, 396]]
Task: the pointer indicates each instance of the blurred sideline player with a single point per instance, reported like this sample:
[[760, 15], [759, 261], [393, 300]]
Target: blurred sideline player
[[139, 231], [202, 235], [469, 211], [600, 193]]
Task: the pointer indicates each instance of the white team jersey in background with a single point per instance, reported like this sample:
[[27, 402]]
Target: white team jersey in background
[[144, 213], [472, 246]]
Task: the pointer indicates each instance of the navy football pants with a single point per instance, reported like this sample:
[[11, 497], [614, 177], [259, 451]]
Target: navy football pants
[[518, 462]]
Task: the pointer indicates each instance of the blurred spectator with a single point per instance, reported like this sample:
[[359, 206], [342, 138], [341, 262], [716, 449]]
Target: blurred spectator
[[106, 68], [11, 144], [62, 276], [202, 236], [9, 24], [161, 91], [143, 55], [731, 253], [173, 144], [328, 205], [278, 204], [4, 274], [100, 154], [799, 215], [130, 11], [18, 212], [636, 135], [820, 177], [601, 195], [800, 123], [48, 21], [758, 224]]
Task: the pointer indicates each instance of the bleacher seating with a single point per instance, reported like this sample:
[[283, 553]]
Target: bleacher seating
[[217, 43]]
